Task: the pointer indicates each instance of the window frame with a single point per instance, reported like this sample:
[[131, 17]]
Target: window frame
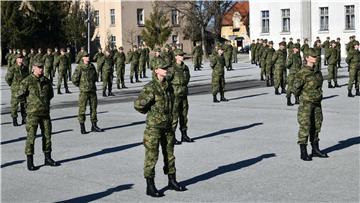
[[265, 21], [285, 20], [324, 19], [112, 17], [351, 14]]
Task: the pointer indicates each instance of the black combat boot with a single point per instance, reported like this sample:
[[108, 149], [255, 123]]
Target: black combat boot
[[222, 97], [15, 123], [96, 128], [277, 91], [104, 94], [283, 91], [123, 86], [350, 94], [131, 80], [176, 142], [67, 91], [215, 100], [303, 153], [82, 128], [58, 91], [137, 80], [118, 86], [336, 85], [330, 85], [30, 163], [316, 151], [267, 83], [289, 101], [173, 184], [49, 161], [357, 92], [23, 121], [297, 101], [184, 137], [110, 93], [262, 78], [151, 189]]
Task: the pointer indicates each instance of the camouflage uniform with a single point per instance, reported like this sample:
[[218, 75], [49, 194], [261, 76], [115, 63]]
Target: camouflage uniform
[[147, 57], [197, 56], [331, 57], [338, 48], [8, 58], [326, 47], [62, 74], [289, 47], [26, 60], [31, 61], [279, 59], [228, 56], [318, 58], [120, 60], [234, 54], [353, 60], [294, 65], [133, 58], [38, 57], [99, 58], [253, 47], [107, 74], [217, 63], [142, 63], [263, 52], [80, 55], [269, 65], [56, 55], [69, 68], [48, 65], [258, 50]]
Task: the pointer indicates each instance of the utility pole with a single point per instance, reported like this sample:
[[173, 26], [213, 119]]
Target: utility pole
[[88, 25]]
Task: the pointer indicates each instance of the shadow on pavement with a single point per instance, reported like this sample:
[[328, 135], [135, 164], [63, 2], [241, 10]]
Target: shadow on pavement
[[229, 130], [331, 96], [247, 96], [99, 195], [6, 123], [126, 125], [103, 152], [343, 144], [12, 163], [75, 116], [38, 135]]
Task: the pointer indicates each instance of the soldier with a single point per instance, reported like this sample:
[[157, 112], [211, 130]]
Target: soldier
[[308, 85], [85, 77], [13, 58], [228, 55], [284, 42], [234, 54], [14, 76], [156, 99], [294, 65], [120, 67], [147, 57], [353, 60], [350, 45], [48, 59], [289, 46], [317, 49], [99, 58], [305, 47], [197, 56], [269, 64], [56, 55], [217, 63], [108, 73], [62, 76], [79, 56], [338, 48], [179, 76], [331, 57], [326, 45], [155, 59], [8, 58], [68, 56], [37, 91], [263, 52], [252, 50], [316, 41], [31, 59], [39, 56], [142, 62], [257, 52], [26, 59], [133, 58], [278, 60]]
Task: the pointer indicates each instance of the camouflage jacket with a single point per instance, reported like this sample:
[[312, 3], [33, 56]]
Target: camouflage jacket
[[38, 58], [326, 45], [294, 63], [252, 47], [85, 77], [147, 53], [37, 92], [142, 55], [263, 52], [305, 48], [56, 58], [108, 64], [48, 60], [279, 58], [62, 63], [353, 58], [217, 63], [350, 45], [120, 59], [133, 57], [167, 57], [26, 61], [308, 85], [331, 55], [269, 55], [15, 75], [179, 76], [228, 50], [197, 51], [289, 47], [156, 99]]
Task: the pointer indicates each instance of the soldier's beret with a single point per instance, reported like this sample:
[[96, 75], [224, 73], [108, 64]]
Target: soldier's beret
[[311, 52], [19, 56], [86, 55], [265, 40], [296, 46], [332, 42], [271, 42], [38, 64], [179, 52], [327, 37], [282, 44], [162, 64]]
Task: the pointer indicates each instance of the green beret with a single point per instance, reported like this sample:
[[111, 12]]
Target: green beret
[[297, 45], [179, 52], [39, 64], [86, 55], [282, 44], [162, 64], [19, 56], [311, 52], [333, 42], [157, 49]]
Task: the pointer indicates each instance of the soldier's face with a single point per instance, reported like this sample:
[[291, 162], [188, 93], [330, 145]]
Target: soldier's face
[[311, 59], [86, 59], [220, 52], [19, 61], [179, 58], [38, 71], [161, 73], [157, 53]]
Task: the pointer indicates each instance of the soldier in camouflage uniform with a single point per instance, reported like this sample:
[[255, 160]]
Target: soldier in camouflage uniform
[[85, 77], [284, 42], [99, 58], [318, 54], [308, 85], [26, 59], [15, 74], [167, 55], [8, 58], [120, 60], [62, 75], [353, 60], [56, 56], [48, 59], [79, 56], [338, 48], [289, 46], [156, 100], [278, 60], [263, 52], [31, 59], [350, 45], [234, 54], [305, 47], [133, 59], [142, 62], [326, 46], [147, 56], [331, 56], [252, 50], [108, 73], [294, 65], [257, 52], [217, 63], [37, 91], [39, 56], [316, 41], [69, 69], [179, 76], [269, 64], [197, 56], [228, 49]]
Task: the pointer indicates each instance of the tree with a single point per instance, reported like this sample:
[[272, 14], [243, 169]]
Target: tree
[[157, 30], [221, 7], [130, 36]]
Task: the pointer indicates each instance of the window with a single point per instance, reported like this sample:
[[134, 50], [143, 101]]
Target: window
[[96, 18], [139, 40], [324, 18], [140, 17], [285, 15], [350, 17], [113, 41], [112, 16], [265, 21], [175, 39], [174, 17]]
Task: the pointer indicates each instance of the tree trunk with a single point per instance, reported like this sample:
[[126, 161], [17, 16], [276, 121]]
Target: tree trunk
[[203, 39]]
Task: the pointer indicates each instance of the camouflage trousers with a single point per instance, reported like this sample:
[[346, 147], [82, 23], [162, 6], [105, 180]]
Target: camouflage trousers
[[253, 58], [285, 76], [279, 77], [15, 106], [153, 137], [228, 61], [120, 73], [269, 70], [107, 79], [235, 59], [69, 72], [49, 73], [62, 76], [197, 62], [180, 112], [332, 71], [310, 118], [318, 64], [134, 69], [290, 82], [142, 68], [147, 63], [263, 67], [99, 70], [84, 98], [32, 123], [354, 77], [218, 84]]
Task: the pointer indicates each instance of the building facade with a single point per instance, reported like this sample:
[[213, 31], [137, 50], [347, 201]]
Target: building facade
[[302, 19]]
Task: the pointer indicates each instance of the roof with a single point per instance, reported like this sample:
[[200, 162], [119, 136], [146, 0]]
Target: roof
[[241, 7]]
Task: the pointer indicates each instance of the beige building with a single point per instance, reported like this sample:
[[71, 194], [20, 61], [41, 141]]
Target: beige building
[[121, 23]]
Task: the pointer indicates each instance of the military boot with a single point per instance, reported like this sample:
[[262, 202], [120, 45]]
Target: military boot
[[283, 91], [357, 92], [330, 85], [184, 137], [58, 91], [30, 163], [336, 85], [131, 80], [15, 123], [151, 189], [118, 86], [110, 93], [49, 161], [123, 86], [289, 101], [262, 78], [267, 83], [316, 151], [82, 128], [350, 94], [176, 142], [173, 184], [104, 94], [96, 128], [23, 121], [215, 100], [277, 91], [297, 100], [67, 91], [303, 153], [222, 97]]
